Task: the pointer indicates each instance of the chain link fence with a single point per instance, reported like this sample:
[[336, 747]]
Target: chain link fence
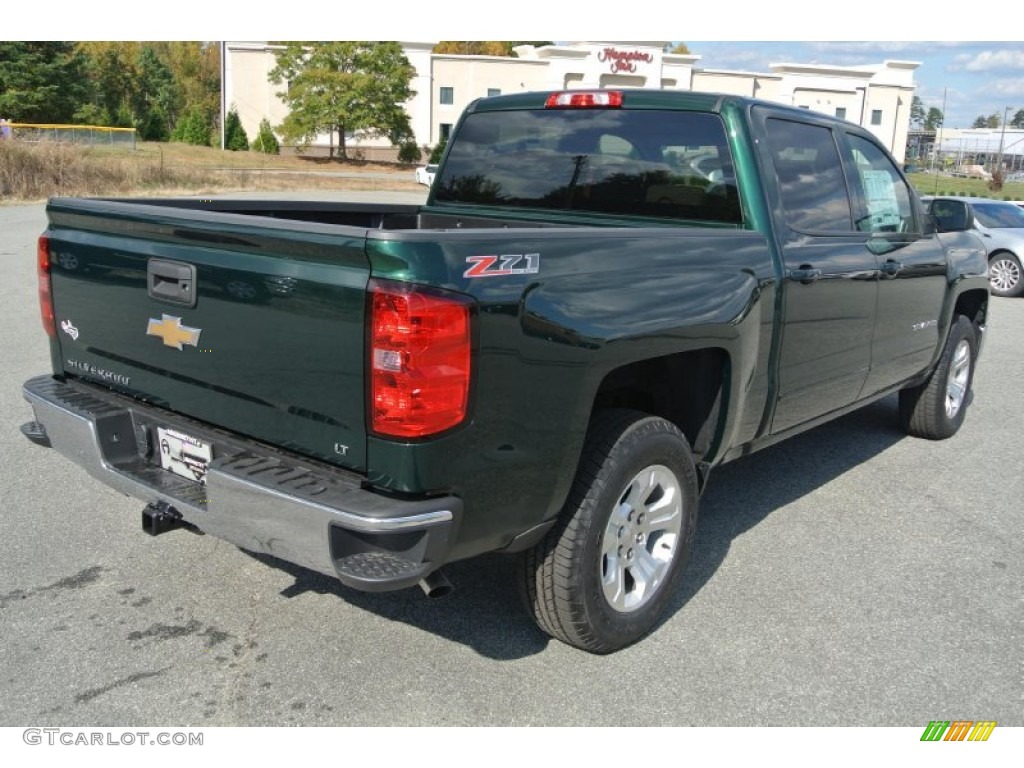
[[82, 135]]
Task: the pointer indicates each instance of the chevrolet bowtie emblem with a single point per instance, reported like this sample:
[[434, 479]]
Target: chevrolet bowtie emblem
[[173, 333]]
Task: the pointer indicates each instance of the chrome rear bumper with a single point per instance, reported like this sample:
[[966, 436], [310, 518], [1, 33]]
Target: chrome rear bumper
[[258, 498]]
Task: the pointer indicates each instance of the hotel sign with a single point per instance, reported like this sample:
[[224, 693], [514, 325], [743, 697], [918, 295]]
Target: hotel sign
[[623, 61]]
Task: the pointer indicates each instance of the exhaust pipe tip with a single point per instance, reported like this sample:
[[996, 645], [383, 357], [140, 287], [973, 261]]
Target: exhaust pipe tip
[[435, 585]]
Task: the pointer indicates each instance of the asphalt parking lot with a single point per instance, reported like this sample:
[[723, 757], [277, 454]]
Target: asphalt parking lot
[[848, 577]]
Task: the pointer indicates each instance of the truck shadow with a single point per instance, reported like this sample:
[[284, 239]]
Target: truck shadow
[[485, 613], [743, 493]]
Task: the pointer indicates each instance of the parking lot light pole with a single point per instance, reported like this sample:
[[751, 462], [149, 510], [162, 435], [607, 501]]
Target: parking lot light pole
[[1002, 137], [938, 143]]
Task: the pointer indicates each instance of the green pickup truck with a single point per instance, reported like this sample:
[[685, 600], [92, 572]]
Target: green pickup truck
[[606, 295]]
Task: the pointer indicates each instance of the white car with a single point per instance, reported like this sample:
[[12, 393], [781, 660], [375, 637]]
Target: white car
[[425, 174], [999, 224]]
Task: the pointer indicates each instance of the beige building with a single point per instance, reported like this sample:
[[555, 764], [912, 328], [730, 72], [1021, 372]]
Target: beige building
[[875, 96]]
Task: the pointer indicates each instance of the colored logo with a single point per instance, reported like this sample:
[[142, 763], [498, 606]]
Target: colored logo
[[958, 730], [173, 333], [500, 266]]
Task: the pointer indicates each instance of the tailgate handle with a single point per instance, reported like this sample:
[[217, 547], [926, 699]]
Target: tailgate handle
[[172, 281]]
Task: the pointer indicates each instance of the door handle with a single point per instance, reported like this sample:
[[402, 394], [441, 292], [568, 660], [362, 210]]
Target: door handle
[[171, 281], [805, 274], [891, 268]]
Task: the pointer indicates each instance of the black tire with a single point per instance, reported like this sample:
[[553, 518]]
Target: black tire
[[1005, 274], [608, 540], [936, 408]]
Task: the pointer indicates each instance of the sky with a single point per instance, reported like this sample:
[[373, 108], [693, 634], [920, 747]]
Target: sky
[[980, 77]]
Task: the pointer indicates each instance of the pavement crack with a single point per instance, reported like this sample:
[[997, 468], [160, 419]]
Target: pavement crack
[[89, 695]]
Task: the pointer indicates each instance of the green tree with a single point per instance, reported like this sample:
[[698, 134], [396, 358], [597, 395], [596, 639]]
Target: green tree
[[193, 128], [153, 127], [1018, 119], [234, 134], [934, 119], [917, 113], [113, 79], [155, 95], [265, 141], [347, 87], [485, 47], [473, 47], [41, 82], [992, 121], [408, 152], [195, 74], [677, 48], [436, 152]]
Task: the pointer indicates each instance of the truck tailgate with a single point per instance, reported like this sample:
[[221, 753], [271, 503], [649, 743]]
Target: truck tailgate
[[248, 323]]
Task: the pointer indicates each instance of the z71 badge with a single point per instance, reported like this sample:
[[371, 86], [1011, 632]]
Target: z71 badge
[[504, 265]]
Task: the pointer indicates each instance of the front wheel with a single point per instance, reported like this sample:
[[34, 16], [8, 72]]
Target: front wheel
[[601, 578], [936, 408]]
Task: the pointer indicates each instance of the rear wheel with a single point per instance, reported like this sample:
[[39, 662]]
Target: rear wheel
[[1004, 274], [603, 575], [936, 409]]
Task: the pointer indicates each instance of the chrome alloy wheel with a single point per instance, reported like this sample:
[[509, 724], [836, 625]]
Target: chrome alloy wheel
[[641, 538], [1004, 275], [959, 375]]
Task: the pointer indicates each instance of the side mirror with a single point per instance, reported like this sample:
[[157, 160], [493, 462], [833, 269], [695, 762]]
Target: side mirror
[[951, 216]]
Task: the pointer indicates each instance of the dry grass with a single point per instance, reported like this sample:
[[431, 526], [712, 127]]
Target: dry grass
[[32, 172]]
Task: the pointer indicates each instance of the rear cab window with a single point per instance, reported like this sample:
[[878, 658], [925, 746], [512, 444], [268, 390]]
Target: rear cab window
[[665, 164], [812, 185]]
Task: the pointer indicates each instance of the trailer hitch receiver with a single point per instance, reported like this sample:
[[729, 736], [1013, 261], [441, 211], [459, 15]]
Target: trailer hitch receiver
[[159, 518]]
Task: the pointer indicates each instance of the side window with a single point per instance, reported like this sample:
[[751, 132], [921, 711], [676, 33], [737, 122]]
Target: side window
[[810, 176], [885, 194]]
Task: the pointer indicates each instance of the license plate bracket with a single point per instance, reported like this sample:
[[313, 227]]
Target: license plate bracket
[[183, 454]]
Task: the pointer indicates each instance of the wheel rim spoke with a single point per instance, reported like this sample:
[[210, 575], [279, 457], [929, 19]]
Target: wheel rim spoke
[[1004, 275], [959, 374], [640, 539]]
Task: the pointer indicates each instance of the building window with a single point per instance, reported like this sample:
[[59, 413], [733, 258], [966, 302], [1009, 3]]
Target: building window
[[445, 131], [447, 95], [841, 113], [876, 117], [493, 92]]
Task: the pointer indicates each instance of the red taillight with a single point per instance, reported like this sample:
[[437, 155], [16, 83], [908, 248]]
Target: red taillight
[[584, 99], [419, 360], [45, 295]]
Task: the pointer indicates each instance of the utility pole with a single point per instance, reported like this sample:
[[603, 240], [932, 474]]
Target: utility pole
[[938, 143], [223, 85], [1002, 138]]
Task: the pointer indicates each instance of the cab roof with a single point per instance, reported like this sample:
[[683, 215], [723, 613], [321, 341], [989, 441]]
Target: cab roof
[[633, 98]]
